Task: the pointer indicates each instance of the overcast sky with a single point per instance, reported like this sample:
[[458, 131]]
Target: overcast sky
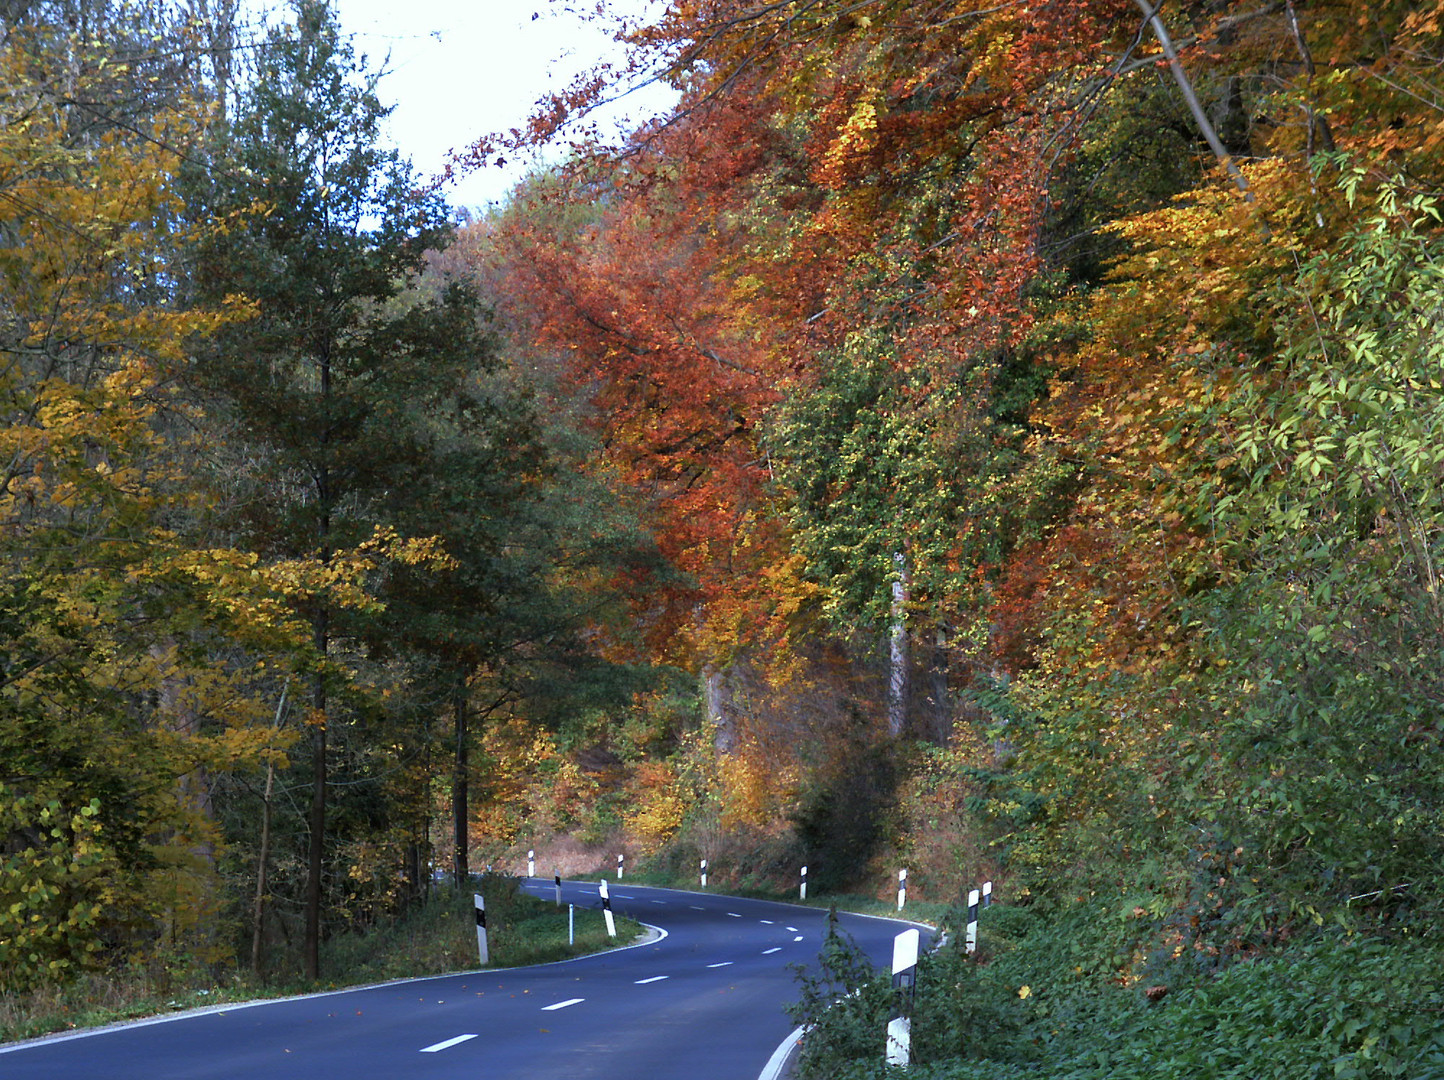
[[462, 68]]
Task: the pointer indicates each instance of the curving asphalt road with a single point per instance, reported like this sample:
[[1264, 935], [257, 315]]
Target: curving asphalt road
[[703, 1002]]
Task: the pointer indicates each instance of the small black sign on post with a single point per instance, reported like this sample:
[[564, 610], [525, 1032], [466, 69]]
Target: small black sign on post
[[481, 948], [972, 931], [607, 909]]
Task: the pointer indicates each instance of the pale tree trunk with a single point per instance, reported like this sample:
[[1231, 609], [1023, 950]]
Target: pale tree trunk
[[720, 709], [899, 658], [1185, 86]]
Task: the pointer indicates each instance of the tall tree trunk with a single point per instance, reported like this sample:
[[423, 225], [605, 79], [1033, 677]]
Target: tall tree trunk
[[938, 690], [459, 792], [316, 851], [719, 707], [899, 660]]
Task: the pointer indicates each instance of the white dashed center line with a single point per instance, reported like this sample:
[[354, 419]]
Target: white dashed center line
[[694, 907], [797, 938], [733, 915], [562, 1004], [662, 902], [769, 952], [448, 1044], [724, 963], [767, 922], [654, 978], [793, 929]]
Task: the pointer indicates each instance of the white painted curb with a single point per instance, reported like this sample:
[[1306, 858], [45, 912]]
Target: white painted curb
[[777, 1063]]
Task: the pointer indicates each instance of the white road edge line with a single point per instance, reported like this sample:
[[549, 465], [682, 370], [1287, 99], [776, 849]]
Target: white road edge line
[[654, 978], [724, 963], [236, 1006], [447, 1045], [563, 1004]]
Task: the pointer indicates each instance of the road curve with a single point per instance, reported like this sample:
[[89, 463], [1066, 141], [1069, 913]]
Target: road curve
[[702, 1003]]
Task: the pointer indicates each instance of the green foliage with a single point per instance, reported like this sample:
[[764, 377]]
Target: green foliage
[[53, 868], [1332, 1006], [846, 1003]]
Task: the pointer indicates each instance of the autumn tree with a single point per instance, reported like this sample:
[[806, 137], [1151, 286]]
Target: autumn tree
[[327, 391]]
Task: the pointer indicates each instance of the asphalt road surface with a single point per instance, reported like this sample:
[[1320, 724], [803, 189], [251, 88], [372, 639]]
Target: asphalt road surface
[[702, 1003]]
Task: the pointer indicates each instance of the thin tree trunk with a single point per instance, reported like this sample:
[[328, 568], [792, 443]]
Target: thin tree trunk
[[258, 912], [1150, 12], [899, 660], [459, 792], [316, 851], [942, 705], [1321, 136]]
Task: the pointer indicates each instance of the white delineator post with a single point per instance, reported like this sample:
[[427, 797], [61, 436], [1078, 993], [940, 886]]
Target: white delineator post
[[987, 894], [704, 873], [530, 863], [804, 883], [902, 888], [558, 879], [607, 909], [481, 928], [972, 931], [904, 978], [619, 867]]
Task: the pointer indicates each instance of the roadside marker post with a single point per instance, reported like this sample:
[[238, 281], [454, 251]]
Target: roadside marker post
[[987, 894], [972, 932], [481, 948], [904, 981], [704, 873], [530, 863], [619, 867], [571, 924], [558, 879], [902, 888], [607, 909], [804, 883]]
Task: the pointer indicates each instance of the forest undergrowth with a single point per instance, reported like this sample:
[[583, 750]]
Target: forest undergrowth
[[1044, 999]]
